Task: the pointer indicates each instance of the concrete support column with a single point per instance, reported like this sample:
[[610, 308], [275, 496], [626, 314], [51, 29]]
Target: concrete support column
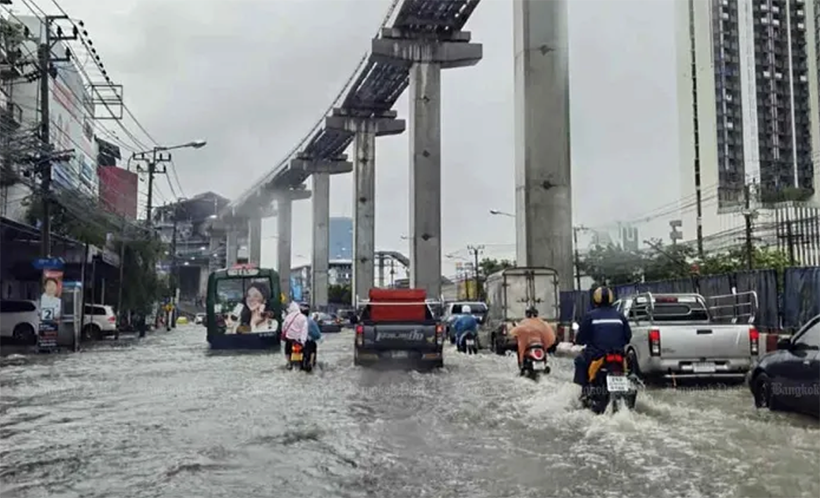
[[321, 241], [364, 179], [284, 204], [425, 58], [231, 246], [381, 270], [542, 138], [321, 171], [255, 240]]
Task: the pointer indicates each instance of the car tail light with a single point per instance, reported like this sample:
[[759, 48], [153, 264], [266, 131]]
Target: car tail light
[[654, 342], [359, 334], [112, 319], [439, 334], [754, 341]]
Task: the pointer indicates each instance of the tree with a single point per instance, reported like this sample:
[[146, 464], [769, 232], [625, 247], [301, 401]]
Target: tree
[[142, 287], [612, 265], [11, 37], [488, 266], [89, 229], [339, 294], [668, 263]]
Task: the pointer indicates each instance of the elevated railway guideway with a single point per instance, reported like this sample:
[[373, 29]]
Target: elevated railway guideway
[[372, 90]]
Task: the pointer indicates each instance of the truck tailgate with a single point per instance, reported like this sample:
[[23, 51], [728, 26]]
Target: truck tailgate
[[705, 341], [398, 337]]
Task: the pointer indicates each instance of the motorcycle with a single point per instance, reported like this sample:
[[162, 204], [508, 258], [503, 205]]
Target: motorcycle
[[469, 344], [535, 361], [298, 359], [610, 382]]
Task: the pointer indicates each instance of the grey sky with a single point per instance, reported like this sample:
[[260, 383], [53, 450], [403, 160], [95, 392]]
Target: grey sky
[[253, 76]]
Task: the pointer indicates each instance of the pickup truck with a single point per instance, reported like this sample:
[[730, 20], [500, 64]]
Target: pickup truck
[[675, 336], [398, 324]]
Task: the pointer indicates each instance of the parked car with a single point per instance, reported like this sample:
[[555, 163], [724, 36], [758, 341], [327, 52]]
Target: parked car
[[100, 321], [789, 378], [19, 320], [327, 323]]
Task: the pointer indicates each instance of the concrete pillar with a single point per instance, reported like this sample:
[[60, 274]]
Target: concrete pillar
[[542, 138], [381, 270], [255, 240], [321, 170], [231, 246], [321, 241], [364, 179], [425, 59], [283, 225]]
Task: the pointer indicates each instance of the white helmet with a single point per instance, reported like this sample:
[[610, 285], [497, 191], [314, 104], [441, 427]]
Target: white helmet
[[465, 309]]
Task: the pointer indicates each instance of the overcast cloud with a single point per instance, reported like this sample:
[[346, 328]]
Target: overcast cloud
[[253, 76]]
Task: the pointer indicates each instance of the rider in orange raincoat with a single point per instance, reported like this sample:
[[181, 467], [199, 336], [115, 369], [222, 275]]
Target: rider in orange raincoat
[[532, 330]]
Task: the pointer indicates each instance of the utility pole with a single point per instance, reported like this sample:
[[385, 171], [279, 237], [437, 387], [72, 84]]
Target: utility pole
[[696, 126], [748, 213], [575, 231], [475, 251], [46, 70], [174, 262], [153, 170]]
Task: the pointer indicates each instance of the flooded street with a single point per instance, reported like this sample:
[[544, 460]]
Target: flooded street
[[165, 418]]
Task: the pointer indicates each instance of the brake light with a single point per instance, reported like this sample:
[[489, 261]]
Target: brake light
[[754, 341], [654, 342], [359, 335], [112, 318], [537, 354], [439, 334], [614, 358]]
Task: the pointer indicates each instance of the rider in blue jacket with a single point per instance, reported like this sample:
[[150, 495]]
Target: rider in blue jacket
[[464, 324], [604, 329], [314, 335]]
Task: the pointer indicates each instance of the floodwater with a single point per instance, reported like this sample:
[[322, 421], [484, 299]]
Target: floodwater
[[163, 418]]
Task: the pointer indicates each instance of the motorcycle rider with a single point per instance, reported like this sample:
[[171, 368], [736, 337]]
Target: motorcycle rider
[[314, 336], [465, 323], [603, 329], [294, 328], [532, 330]]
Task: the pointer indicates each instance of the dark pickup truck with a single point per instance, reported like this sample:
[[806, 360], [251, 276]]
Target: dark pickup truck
[[398, 324]]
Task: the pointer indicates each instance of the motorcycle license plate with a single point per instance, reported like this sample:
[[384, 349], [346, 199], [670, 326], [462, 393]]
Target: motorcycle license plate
[[296, 357], [617, 384], [470, 342]]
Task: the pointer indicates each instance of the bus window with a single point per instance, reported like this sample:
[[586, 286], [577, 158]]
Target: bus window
[[246, 305]]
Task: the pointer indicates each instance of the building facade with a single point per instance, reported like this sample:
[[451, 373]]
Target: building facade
[[748, 109], [341, 238]]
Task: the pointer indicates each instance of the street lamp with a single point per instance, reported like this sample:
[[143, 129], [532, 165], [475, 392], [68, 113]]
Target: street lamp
[[501, 213]]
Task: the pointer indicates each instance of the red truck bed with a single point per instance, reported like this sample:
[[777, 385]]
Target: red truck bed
[[415, 309]]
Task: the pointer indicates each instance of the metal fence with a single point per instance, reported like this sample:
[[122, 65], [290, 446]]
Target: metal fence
[[785, 303]]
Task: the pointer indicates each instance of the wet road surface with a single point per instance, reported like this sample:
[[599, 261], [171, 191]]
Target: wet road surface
[[165, 418]]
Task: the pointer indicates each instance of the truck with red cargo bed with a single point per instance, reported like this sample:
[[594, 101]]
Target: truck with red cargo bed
[[398, 325]]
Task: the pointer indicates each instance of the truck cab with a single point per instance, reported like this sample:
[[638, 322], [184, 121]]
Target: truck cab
[[398, 325]]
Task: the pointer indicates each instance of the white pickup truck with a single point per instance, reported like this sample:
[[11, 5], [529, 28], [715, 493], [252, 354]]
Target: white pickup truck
[[675, 336]]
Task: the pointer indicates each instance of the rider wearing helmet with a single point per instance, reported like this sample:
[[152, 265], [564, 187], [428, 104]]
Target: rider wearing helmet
[[465, 323], [532, 330], [603, 329]]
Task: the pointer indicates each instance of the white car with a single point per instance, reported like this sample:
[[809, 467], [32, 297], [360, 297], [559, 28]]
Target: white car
[[20, 320], [100, 321], [199, 318]]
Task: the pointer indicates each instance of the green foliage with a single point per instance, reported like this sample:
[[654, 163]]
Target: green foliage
[[66, 223], [143, 287], [612, 265], [339, 294], [488, 266]]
